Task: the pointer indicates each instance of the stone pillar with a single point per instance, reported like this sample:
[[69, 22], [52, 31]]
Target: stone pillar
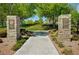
[[13, 29], [64, 27]]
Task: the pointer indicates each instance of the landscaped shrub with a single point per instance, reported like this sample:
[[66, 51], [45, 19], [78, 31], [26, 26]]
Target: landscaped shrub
[[52, 31], [75, 37], [25, 37], [60, 44], [73, 30], [3, 32], [19, 44], [67, 51], [53, 34]]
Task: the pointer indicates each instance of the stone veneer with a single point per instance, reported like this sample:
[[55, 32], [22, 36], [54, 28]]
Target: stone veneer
[[13, 29], [64, 27]]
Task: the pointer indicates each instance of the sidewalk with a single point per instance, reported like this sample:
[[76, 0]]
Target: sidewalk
[[39, 45]]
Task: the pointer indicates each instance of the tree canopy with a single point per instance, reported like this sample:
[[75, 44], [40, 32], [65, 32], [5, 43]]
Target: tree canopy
[[52, 11], [21, 10], [48, 10]]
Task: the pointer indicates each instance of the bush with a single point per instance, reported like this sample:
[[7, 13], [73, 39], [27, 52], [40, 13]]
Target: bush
[[52, 31], [19, 44], [67, 51], [25, 37], [73, 30], [3, 32], [75, 37], [53, 34], [60, 44]]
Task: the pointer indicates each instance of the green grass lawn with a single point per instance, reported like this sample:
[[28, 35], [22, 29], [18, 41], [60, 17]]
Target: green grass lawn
[[35, 27]]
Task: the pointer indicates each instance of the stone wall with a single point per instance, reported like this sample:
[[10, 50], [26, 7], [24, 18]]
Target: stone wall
[[13, 28], [64, 26]]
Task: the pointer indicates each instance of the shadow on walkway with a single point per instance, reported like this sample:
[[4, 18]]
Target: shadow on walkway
[[40, 33]]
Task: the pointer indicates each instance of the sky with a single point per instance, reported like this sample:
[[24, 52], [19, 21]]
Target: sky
[[34, 18], [78, 7]]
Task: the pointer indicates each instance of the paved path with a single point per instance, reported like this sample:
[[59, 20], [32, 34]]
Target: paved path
[[38, 45]]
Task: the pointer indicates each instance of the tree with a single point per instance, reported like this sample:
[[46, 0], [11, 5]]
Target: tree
[[21, 10], [52, 11], [3, 12], [29, 21], [75, 19], [40, 21]]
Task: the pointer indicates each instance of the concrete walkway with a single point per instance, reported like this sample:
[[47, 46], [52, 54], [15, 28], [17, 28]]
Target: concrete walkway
[[38, 45]]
